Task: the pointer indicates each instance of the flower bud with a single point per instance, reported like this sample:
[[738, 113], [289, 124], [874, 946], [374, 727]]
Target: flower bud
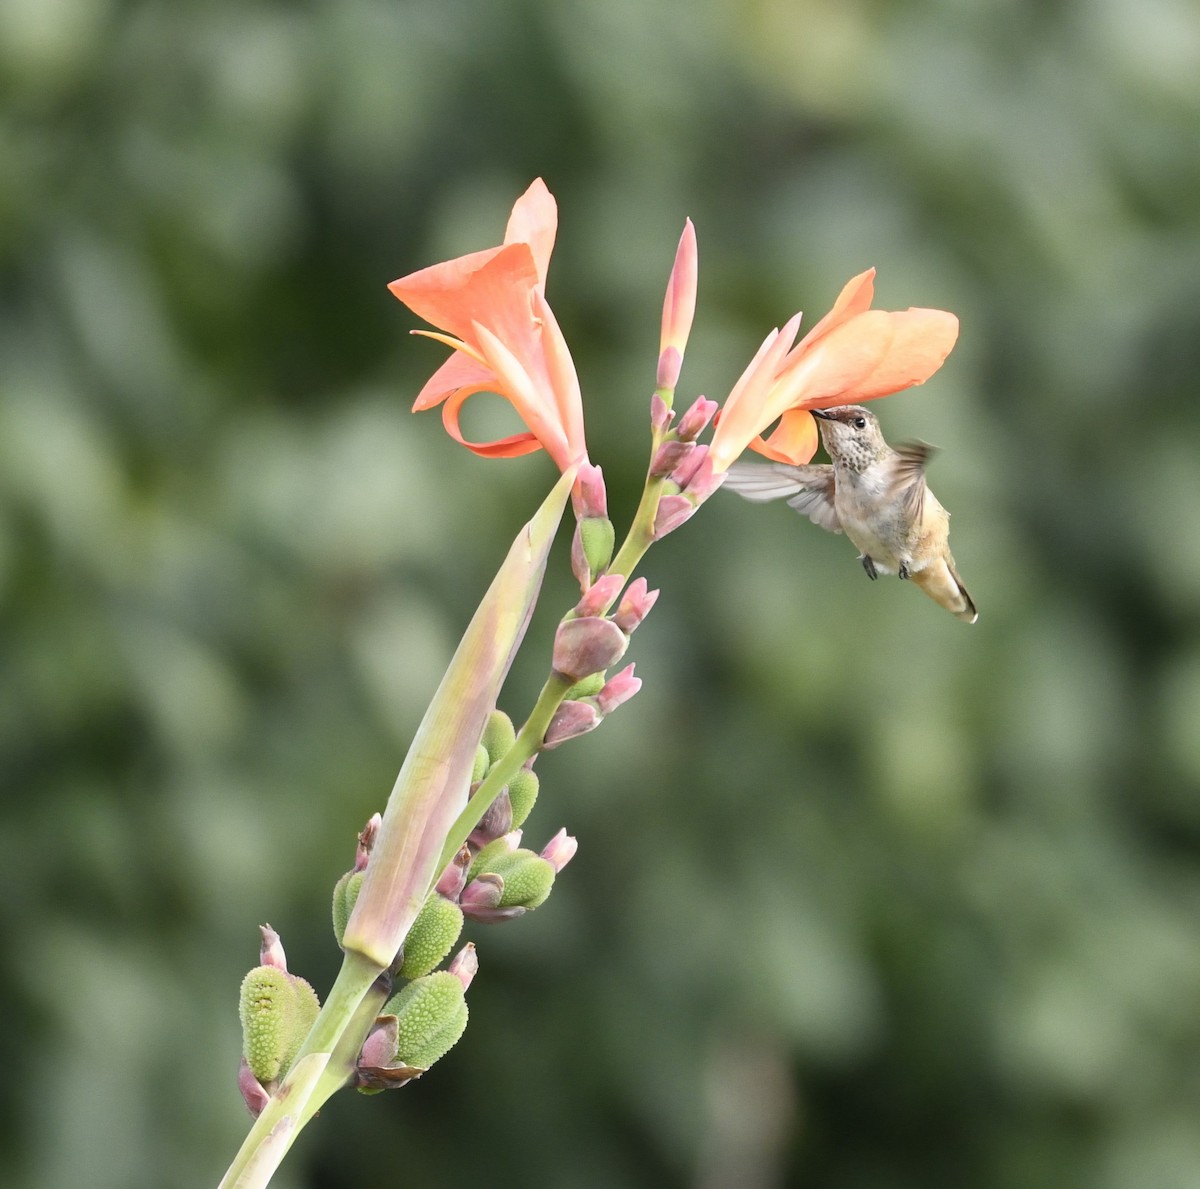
[[599, 596], [522, 793], [560, 850], [634, 606], [345, 893], [693, 423], [431, 1015], [670, 364], [431, 937], [617, 690], [498, 736], [270, 952], [660, 413], [484, 892], [253, 1093], [366, 840], [591, 498], [450, 883], [465, 965], [673, 510], [679, 306], [496, 821], [586, 646], [277, 1010], [669, 456], [570, 720]]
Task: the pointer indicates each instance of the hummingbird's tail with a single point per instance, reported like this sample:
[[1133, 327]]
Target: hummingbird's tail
[[940, 581]]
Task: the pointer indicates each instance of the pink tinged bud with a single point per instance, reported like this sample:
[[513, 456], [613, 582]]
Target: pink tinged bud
[[669, 456], [660, 414], [679, 307], [592, 500], [465, 965], [703, 481], [670, 364], [600, 596], [586, 646], [693, 423], [686, 471], [570, 720], [560, 850], [270, 952], [673, 510], [634, 606], [253, 1094], [454, 878], [366, 840], [483, 892], [617, 690]]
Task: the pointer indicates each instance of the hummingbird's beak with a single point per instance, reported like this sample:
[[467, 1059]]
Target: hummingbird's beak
[[824, 414]]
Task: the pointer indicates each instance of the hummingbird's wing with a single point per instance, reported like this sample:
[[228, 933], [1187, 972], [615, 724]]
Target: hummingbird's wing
[[908, 480], [808, 489]]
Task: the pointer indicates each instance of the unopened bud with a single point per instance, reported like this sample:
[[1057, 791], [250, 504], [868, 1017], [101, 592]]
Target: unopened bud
[[431, 937], [450, 883], [634, 606], [270, 951], [277, 1010], [484, 892], [590, 493], [252, 1091], [560, 850], [496, 821], [673, 510], [660, 413], [570, 720], [465, 965], [599, 596], [669, 456], [617, 690], [586, 646], [670, 364], [366, 840]]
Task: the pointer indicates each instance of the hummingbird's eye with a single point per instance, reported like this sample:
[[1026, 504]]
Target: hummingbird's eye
[[860, 423]]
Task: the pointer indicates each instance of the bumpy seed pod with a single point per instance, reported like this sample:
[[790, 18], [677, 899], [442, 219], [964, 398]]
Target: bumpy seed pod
[[277, 1010], [431, 937]]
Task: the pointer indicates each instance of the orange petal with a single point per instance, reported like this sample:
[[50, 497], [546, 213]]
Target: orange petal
[[534, 221], [793, 441], [490, 287], [820, 374], [511, 447], [921, 340], [459, 371], [855, 298]]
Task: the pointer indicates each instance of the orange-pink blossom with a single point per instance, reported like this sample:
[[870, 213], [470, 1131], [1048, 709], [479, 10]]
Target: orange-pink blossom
[[491, 307], [853, 354]]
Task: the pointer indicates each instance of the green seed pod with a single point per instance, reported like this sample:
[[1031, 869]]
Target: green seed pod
[[345, 893], [498, 846], [431, 937], [479, 771], [527, 877], [431, 1015], [522, 793], [277, 1010], [597, 536], [499, 735]]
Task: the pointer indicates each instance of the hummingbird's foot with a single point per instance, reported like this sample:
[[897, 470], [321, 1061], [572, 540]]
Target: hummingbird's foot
[[904, 574], [869, 566]]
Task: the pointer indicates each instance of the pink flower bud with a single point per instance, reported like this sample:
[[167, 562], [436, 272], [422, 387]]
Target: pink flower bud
[[668, 456], [693, 422], [366, 840], [670, 364], [660, 415], [586, 646], [465, 965], [483, 892], [570, 720], [454, 877], [253, 1094], [634, 606], [560, 850], [591, 498], [679, 307], [683, 474], [600, 596], [496, 821], [618, 689], [673, 510], [703, 482], [270, 951]]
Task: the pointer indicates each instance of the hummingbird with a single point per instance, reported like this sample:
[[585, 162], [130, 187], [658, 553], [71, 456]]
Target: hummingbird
[[876, 495]]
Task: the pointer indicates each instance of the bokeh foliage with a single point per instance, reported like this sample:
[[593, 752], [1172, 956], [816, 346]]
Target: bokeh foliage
[[865, 899]]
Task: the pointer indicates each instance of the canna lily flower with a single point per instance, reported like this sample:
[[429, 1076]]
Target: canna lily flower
[[853, 354], [491, 307]]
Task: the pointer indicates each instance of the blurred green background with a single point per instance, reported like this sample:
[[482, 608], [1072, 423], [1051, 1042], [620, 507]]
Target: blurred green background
[[865, 899]]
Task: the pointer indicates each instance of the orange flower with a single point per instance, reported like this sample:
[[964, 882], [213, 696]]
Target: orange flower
[[492, 307], [853, 354]]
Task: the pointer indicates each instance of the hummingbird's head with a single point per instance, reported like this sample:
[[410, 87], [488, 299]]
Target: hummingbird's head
[[851, 435]]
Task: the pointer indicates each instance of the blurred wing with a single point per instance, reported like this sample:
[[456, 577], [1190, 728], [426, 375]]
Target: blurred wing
[[808, 489], [908, 485]]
